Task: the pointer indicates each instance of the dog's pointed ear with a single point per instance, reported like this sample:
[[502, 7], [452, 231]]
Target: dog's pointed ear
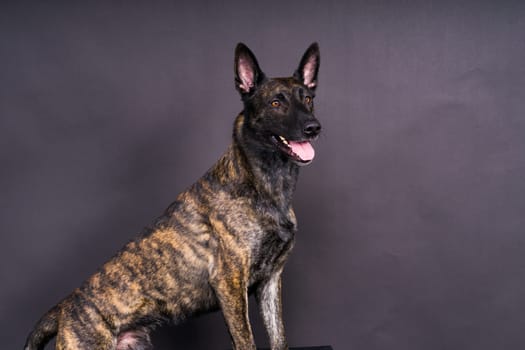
[[309, 67], [247, 72]]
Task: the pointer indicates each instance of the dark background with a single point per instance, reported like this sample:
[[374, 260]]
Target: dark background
[[411, 217]]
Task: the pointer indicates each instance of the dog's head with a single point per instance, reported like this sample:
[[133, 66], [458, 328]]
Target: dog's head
[[279, 112]]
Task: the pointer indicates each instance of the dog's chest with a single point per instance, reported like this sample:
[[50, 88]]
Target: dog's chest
[[271, 245], [264, 231]]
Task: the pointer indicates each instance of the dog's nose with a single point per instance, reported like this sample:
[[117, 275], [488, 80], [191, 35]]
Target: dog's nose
[[312, 128]]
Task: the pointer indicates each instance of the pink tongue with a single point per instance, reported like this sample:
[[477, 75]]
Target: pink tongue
[[304, 150]]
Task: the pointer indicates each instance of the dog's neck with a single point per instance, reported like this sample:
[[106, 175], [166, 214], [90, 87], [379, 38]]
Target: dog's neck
[[270, 173]]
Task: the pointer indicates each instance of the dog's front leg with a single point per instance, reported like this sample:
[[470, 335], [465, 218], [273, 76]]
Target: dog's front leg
[[234, 305], [268, 295], [230, 287]]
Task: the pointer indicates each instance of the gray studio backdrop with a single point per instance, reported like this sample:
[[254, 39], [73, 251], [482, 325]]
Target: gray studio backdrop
[[411, 216]]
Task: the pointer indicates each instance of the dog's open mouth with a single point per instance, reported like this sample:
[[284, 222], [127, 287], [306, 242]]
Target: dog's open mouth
[[301, 152]]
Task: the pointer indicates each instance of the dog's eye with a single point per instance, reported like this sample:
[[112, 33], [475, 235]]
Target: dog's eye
[[308, 99], [276, 103]]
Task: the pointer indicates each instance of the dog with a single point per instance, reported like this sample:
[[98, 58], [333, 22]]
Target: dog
[[227, 236]]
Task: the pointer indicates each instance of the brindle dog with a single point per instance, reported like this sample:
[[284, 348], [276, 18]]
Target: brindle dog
[[225, 237]]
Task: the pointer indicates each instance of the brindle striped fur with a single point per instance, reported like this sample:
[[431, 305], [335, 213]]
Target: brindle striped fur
[[225, 237]]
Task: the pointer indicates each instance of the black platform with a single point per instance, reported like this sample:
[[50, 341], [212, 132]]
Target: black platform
[[323, 347]]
